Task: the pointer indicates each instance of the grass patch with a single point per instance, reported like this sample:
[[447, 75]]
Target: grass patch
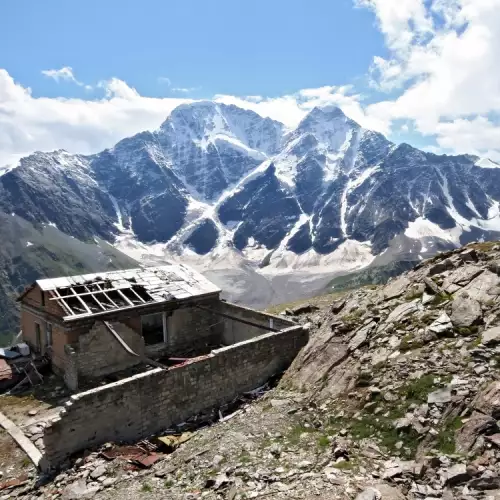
[[466, 331], [409, 343], [168, 483], [445, 441], [383, 428], [146, 488], [293, 436], [344, 465], [441, 297], [323, 442], [418, 390]]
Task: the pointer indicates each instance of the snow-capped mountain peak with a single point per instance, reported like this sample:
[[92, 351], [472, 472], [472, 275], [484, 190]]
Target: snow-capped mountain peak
[[217, 183]]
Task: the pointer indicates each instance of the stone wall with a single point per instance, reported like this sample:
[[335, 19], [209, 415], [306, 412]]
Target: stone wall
[[148, 403], [190, 330], [235, 331], [98, 353]]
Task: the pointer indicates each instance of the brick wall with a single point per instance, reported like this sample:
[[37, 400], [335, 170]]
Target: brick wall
[[148, 403]]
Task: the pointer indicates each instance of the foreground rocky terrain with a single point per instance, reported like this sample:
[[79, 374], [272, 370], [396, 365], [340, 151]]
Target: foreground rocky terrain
[[396, 396]]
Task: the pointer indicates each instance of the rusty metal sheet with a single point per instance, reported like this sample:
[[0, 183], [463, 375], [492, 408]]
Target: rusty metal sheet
[[146, 461], [13, 483], [128, 452]]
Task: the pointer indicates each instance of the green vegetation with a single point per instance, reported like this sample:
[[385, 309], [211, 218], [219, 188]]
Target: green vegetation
[[378, 275], [445, 441], [418, 390], [344, 465], [293, 436], [441, 297], [466, 331], [323, 441], [408, 342], [353, 318], [146, 487]]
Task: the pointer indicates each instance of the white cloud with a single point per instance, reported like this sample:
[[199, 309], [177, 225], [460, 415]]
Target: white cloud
[[441, 69], [30, 123], [445, 64], [65, 73], [185, 90], [165, 79]]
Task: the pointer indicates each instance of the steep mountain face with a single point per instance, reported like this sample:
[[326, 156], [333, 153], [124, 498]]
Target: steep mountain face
[[217, 185]]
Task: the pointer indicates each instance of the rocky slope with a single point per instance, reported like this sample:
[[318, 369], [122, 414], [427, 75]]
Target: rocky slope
[[234, 193], [396, 396]]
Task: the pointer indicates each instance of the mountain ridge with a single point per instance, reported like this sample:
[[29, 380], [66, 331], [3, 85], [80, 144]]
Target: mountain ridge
[[218, 186]]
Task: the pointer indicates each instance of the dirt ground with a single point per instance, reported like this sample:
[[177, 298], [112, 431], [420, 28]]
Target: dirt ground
[[36, 403], [13, 461]]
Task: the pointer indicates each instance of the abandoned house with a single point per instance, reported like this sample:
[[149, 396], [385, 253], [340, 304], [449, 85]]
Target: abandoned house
[[147, 348]]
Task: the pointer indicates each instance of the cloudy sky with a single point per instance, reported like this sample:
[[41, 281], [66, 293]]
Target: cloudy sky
[[82, 75]]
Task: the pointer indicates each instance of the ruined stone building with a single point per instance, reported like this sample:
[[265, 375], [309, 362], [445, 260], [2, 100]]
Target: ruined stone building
[[148, 347]]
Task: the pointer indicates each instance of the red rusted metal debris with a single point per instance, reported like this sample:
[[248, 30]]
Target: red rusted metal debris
[[148, 460], [13, 483], [137, 455]]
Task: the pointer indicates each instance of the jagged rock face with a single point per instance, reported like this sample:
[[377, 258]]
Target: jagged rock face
[[216, 175]]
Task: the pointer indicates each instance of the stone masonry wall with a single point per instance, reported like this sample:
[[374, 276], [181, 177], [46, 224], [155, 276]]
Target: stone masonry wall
[[190, 330], [98, 353], [235, 331], [150, 402]]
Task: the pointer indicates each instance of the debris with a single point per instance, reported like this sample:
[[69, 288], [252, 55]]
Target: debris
[[14, 483], [172, 442]]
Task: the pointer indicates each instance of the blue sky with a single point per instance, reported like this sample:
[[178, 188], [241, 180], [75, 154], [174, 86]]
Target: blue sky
[[80, 75], [224, 47]]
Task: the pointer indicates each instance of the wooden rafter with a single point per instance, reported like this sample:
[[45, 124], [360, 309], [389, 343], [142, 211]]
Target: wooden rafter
[[62, 301], [81, 301]]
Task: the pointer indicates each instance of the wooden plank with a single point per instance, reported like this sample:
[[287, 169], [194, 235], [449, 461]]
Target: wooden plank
[[62, 302], [81, 301], [137, 295], [126, 298]]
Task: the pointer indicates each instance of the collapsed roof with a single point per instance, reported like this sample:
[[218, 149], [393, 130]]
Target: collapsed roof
[[89, 294]]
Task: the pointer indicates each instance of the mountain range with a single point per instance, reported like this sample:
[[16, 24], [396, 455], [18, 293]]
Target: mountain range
[[270, 212]]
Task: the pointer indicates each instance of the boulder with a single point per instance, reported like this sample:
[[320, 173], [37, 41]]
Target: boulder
[[441, 396], [360, 336], [431, 287], [491, 336], [396, 288], [381, 492], [79, 491], [440, 267], [469, 436], [456, 475], [369, 494], [485, 483], [487, 400], [442, 325], [461, 277], [402, 311], [465, 311], [484, 288]]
